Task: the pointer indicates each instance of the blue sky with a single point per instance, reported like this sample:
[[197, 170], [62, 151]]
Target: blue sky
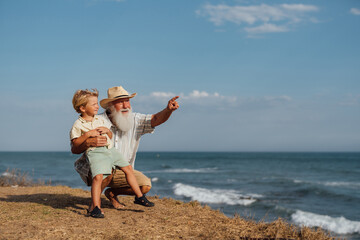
[[251, 75]]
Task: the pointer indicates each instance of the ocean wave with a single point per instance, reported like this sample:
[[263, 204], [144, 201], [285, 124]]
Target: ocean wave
[[184, 170], [7, 174], [342, 184], [230, 197], [339, 225], [355, 185]]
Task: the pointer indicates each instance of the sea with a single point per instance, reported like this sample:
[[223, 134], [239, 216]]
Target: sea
[[306, 189]]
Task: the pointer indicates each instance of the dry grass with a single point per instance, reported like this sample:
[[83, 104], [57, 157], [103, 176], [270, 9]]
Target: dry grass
[[45, 212], [15, 177]]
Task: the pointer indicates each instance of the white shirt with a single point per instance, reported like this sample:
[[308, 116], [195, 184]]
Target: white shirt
[[126, 143]]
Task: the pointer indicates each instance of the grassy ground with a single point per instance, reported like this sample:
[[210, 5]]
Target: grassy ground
[[59, 212]]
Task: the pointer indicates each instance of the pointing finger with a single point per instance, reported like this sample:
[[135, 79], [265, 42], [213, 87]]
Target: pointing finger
[[174, 98]]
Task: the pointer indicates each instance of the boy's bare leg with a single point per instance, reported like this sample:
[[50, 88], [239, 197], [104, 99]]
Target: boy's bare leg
[[104, 184], [131, 179], [96, 192]]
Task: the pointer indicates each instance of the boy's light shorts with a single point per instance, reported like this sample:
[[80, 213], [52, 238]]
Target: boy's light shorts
[[103, 160]]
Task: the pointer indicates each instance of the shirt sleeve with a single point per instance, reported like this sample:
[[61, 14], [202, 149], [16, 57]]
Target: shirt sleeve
[[75, 131], [143, 122]]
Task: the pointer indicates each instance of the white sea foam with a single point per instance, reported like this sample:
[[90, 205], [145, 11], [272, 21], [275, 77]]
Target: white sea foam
[[230, 197], [7, 174], [342, 184], [184, 170], [187, 170], [155, 179], [332, 184], [298, 181], [339, 225]]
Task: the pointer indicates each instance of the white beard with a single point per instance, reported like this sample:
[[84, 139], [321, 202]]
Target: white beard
[[124, 122]]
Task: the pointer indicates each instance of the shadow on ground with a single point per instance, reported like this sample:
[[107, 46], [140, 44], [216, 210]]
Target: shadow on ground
[[76, 204]]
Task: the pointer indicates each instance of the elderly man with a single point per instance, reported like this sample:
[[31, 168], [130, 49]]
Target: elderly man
[[127, 128]]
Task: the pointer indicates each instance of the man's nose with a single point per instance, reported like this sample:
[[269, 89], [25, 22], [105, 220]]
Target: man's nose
[[126, 105]]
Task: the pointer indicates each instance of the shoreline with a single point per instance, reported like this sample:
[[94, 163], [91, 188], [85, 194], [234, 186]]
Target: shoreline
[[57, 212]]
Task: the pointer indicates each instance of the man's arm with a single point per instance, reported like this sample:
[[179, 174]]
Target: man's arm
[[164, 115], [77, 148]]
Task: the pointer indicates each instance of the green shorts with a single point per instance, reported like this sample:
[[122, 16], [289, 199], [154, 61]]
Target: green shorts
[[103, 160]]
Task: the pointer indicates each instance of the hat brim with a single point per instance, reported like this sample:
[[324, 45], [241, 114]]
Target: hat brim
[[105, 102]]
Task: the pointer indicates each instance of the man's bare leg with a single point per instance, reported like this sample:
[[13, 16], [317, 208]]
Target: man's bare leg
[[128, 191], [113, 199], [112, 193], [106, 182]]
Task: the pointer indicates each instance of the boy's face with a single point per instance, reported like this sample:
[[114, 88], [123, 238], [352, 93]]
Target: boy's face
[[92, 107]]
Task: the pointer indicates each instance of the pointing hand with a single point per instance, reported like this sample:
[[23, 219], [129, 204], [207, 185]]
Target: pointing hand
[[173, 104]]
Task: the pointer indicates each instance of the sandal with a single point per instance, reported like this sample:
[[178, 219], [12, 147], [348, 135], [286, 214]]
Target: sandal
[[143, 201], [88, 209], [96, 213]]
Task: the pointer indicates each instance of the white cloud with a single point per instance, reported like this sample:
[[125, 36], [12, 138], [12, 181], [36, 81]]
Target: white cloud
[[355, 11], [263, 16], [162, 94], [299, 7], [198, 94], [195, 94], [204, 98], [266, 28]]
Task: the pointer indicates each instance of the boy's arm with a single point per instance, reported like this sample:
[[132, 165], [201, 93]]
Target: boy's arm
[[80, 140], [99, 141]]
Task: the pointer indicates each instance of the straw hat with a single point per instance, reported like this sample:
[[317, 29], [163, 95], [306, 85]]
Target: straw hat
[[115, 93]]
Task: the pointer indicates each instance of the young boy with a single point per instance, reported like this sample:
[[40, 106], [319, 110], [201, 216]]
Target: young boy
[[102, 159]]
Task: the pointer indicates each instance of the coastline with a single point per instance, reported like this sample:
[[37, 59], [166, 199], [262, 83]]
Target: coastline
[[58, 212]]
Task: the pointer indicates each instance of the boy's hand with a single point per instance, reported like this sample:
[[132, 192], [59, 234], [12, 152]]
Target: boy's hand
[[93, 133], [102, 130]]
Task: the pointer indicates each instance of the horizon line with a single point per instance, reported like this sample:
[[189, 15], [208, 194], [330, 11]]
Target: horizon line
[[220, 151]]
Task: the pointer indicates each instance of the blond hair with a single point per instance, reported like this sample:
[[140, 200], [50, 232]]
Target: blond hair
[[81, 98]]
